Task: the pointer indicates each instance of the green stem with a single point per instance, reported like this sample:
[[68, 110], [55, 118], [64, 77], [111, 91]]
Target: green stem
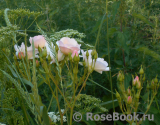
[[76, 98], [109, 55], [59, 106]]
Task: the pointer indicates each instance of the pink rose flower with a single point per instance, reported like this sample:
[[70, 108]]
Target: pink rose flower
[[38, 41], [68, 45]]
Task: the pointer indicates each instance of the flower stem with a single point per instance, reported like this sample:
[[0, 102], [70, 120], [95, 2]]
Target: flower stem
[[109, 55], [75, 98]]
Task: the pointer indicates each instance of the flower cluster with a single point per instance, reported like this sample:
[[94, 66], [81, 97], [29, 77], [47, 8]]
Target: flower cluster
[[130, 98], [55, 117], [65, 46]]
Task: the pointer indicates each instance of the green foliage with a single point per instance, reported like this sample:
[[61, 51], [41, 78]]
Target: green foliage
[[87, 103], [10, 113]]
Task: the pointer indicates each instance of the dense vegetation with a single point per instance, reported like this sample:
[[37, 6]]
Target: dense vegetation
[[124, 32]]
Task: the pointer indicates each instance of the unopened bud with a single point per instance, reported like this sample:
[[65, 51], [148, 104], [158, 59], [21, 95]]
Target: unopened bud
[[78, 59], [49, 58], [135, 81], [21, 55], [95, 56], [75, 56], [87, 54], [117, 95], [138, 86], [144, 78], [75, 59], [41, 60], [39, 49], [84, 63], [129, 100], [92, 53], [37, 63], [128, 92], [44, 53], [156, 80], [137, 96], [56, 48], [141, 71], [120, 77]]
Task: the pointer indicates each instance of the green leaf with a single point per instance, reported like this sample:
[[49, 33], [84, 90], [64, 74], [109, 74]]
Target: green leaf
[[27, 82], [43, 111], [115, 7], [126, 49], [98, 24], [111, 31], [145, 96], [153, 110], [121, 39], [54, 103], [141, 17], [15, 75], [149, 52], [145, 122], [127, 80], [33, 100], [119, 62], [156, 118], [100, 86], [53, 13], [89, 84], [108, 102], [40, 82], [13, 72]]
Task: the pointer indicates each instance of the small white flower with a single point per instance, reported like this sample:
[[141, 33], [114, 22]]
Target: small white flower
[[64, 118], [100, 64], [20, 51], [62, 110], [55, 117], [59, 118]]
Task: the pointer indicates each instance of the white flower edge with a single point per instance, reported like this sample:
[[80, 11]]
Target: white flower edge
[[21, 48], [100, 64], [60, 54]]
